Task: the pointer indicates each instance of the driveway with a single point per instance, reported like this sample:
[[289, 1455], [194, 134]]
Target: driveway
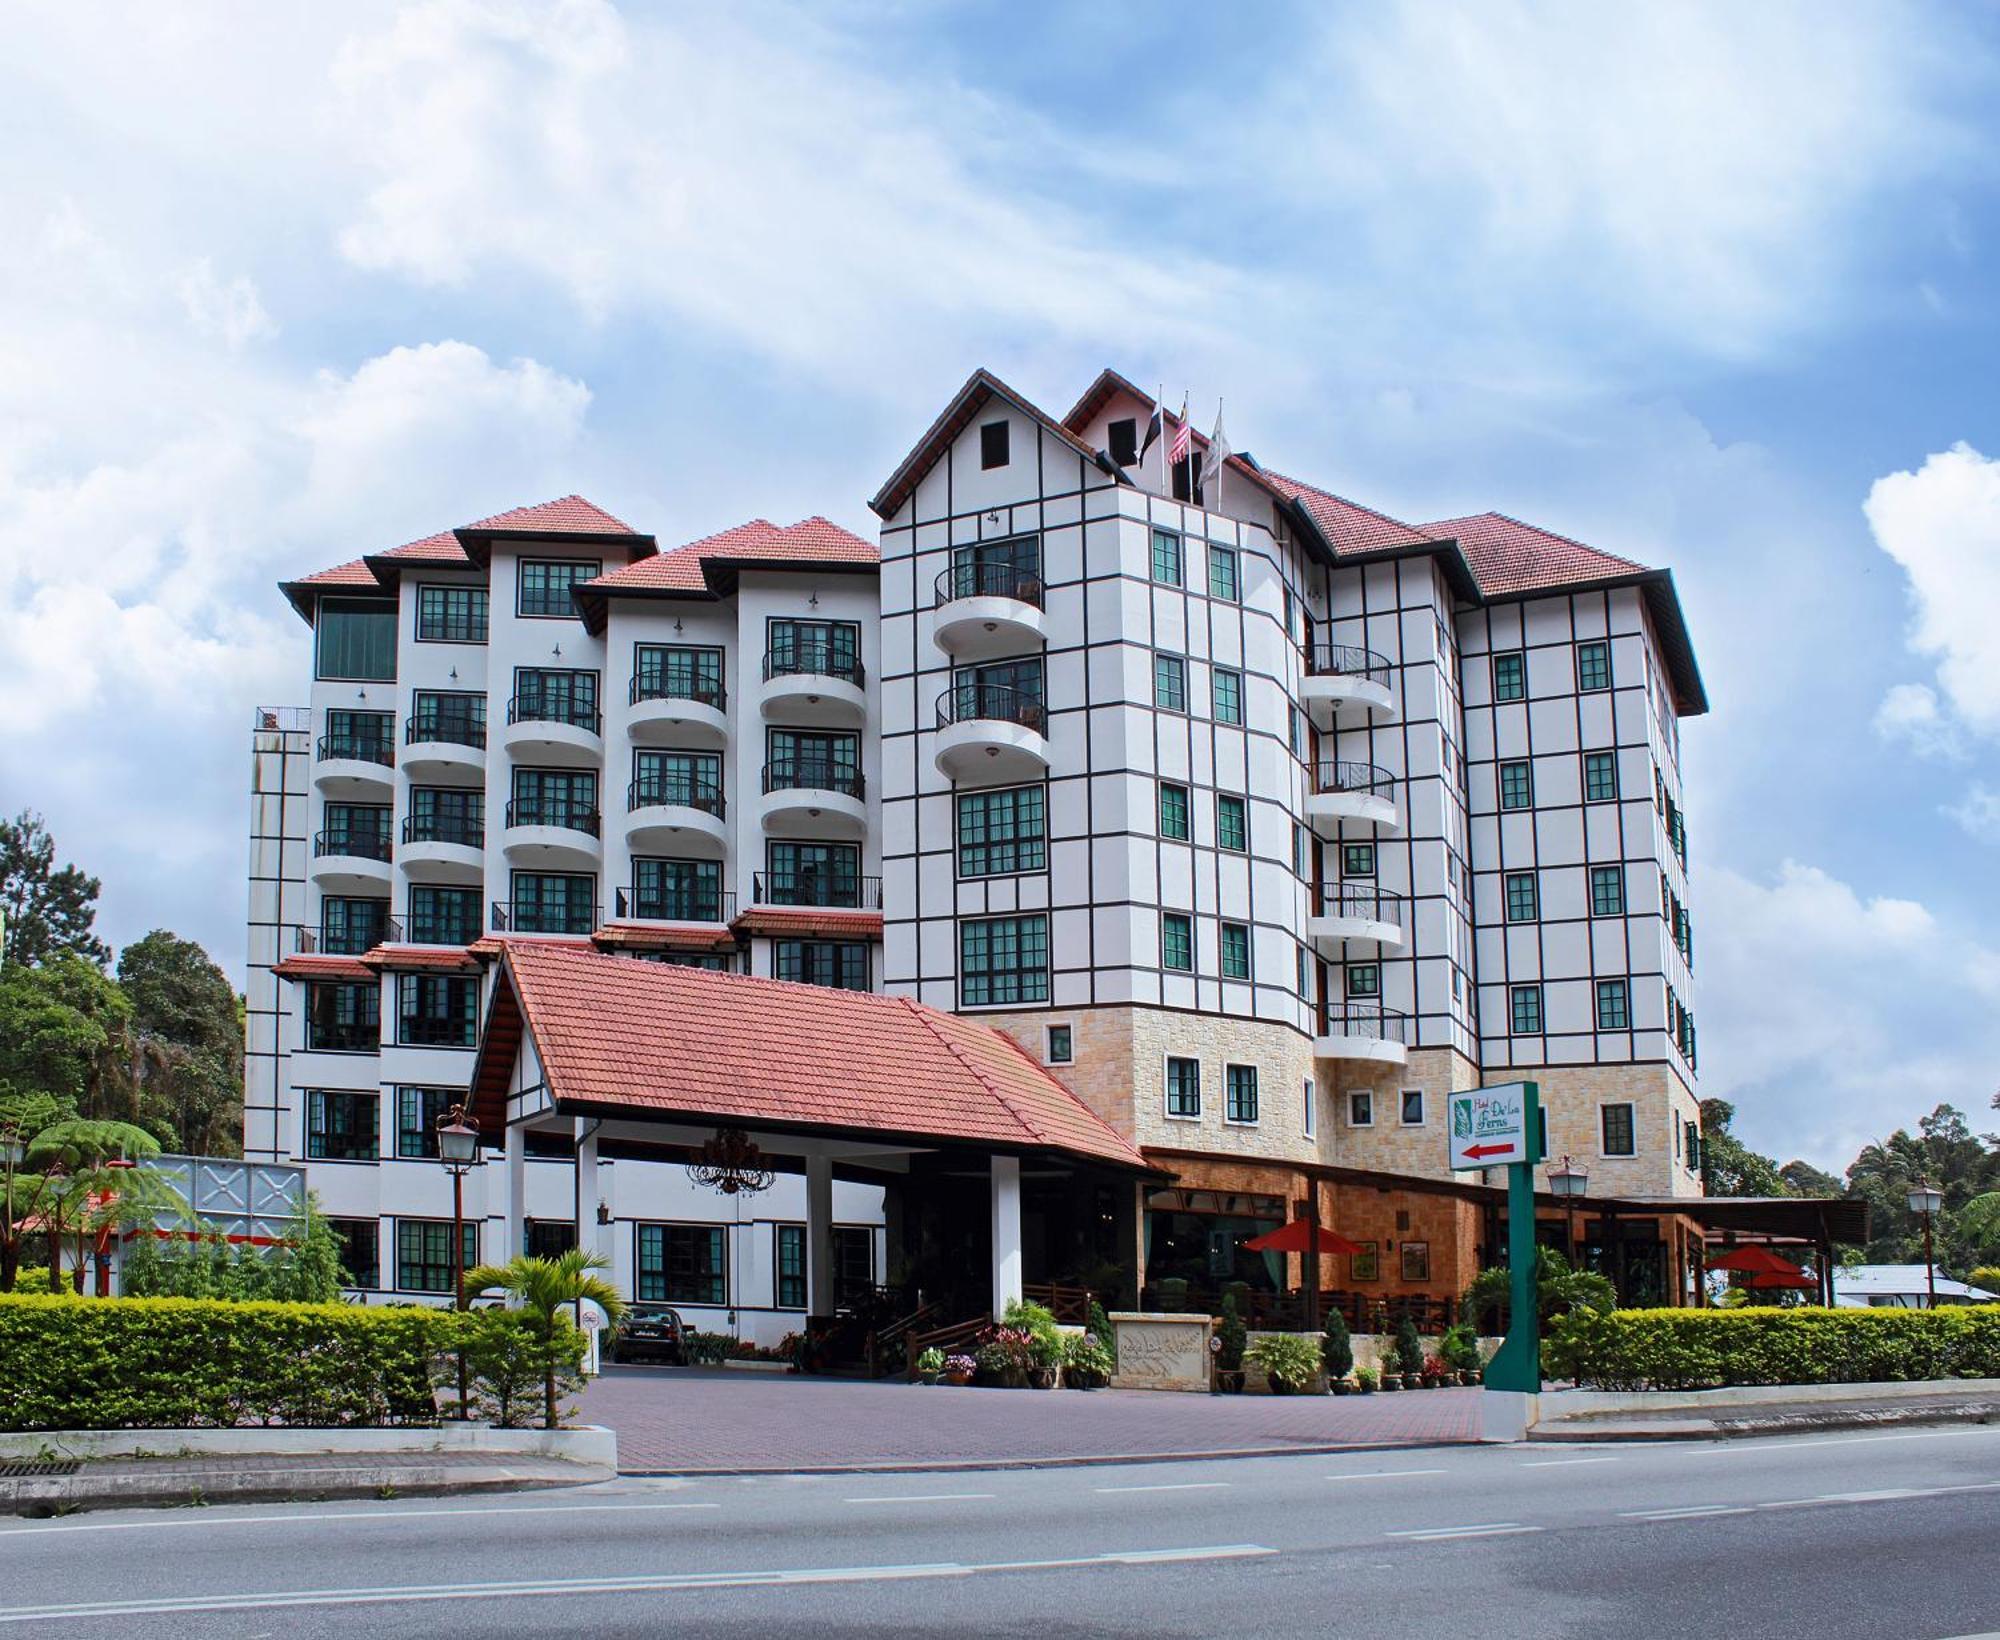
[[680, 1420]]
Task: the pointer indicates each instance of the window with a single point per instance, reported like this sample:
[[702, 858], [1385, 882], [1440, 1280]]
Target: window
[[1600, 777], [677, 672], [1228, 694], [826, 874], [1593, 667], [1521, 896], [1173, 812], [1416, 1261], [418, 1111], [1184, 1088], [1296, 731], [548, 902], [1306, 1109], [1607, 891], [455, 719], [344, 1018], [443, 916], [1361, 1108], [993, 445], [359, 1246], [369, 737], [1525, 1003], [555, 797], [1364, 979], [1240, 1093], [359, 829], [1619, 1137], [349, 927], [1235, 951], [1305, 973], [802, 759], [677, 890], [1510, 676], [688, 780], [1003, 960], [853, 1261], [1614, 1009], [1124, 436], [1413, 1107], [1177, 942], [1061, 1045], [1001, 832], [343, 1126], [791, 1266], [1232, 823], [1169, 567], [1170, 683], [1301, 851], [1517, 785], [451, 614], [446, 814], [555, 695], [1357, 859], [545, 585], [423, 1254], [840, 965], [354, 640], [830, 648], [1691, 1133], [682, 1264], [1224, 579], [437, 1010]]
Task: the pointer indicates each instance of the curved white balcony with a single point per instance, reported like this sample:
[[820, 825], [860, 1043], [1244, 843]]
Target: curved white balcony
[[1351, 794], [549, 836], [1363, 1031], [812, 797], [990, 734], [441, 849], [674, 817], [444, 751], [354, 767], [1345, 683], [665, 711], [1355, 914], [984, 610], [349, 862], [813, 683], [553, 730]]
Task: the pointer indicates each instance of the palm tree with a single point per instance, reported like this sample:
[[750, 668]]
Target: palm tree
[[82, 1177], [542, 1287]]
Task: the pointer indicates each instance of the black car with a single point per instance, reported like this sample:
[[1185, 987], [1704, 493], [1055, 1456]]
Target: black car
[[650, 1332]]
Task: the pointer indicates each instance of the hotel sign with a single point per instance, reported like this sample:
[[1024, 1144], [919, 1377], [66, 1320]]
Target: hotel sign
[[1489, 1127]]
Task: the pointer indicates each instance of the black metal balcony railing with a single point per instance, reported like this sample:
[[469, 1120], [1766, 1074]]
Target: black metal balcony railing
[[974, 580], [542, 811], [356, 845], [344, 1036], [346, 942], [1342, 899], [359, 748], [669, 687], [1364, 1018], [992, 703], [1367, 779], [834, 889], [436, 1031], [448, 730], [705, 795], [1346, 660], [676, 903], [813, 774], [539, 917], [555, 709], [441, 928], [444, 828], [820, 660]]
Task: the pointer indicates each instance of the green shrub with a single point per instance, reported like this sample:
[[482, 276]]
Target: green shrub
[[1409, 1349], [1289, 1360], [707, 1349], [508, 1364], [1707, 1349], [1231, 1335], [1460, 1348], [1039, 1322], [37, 1282], [206, 1264], [1087, 1364], [126, 1363], [1559, 1290], [1337, 1348], [1104, 1332]]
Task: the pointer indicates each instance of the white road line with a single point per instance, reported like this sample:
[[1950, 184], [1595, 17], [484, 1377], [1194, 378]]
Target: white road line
[[1794, 1443], [1435, 1531], [1384, 1474], [1692, 1511], [1452, 1533], [206, 1523], [665, 1584], [1169, 1486], [1564, 1463], [923, 1497]]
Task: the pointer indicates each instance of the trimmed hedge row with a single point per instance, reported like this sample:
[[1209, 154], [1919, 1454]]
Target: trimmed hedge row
[[1708, 1349], [135, 1363]]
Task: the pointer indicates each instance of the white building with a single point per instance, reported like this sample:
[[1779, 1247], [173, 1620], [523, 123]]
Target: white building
[[1900, 1287]]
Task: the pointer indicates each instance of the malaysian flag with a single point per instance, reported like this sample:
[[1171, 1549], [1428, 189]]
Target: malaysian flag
[[1177, 451]]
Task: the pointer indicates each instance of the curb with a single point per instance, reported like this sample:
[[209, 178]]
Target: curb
[[955, 1466], [1802, 1423], [187, 1487]]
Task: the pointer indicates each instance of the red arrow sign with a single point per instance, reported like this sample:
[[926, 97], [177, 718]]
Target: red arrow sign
[[1487, 1150]]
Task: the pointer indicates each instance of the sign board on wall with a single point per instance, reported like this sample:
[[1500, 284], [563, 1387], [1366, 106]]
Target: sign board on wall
[[1489, 1127]]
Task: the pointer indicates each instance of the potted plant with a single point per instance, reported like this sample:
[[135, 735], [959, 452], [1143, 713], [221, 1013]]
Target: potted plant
[[1387, 1360], [1229, 1334], [1170, 1293], [930, 1365], [1290, 1361], [1004, 1356], [1460, 1349], [1336, 1349], [1409, 1353], [958, 1369], [1437, 1372], [1364, 1380], [1086, 1362], [1045, 1357]]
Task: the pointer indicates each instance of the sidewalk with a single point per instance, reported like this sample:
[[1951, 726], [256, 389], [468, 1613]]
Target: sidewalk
[[1771, 1418]]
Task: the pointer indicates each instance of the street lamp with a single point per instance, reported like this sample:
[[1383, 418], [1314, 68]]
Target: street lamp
[[458, 1149], [13, 1148], [1925, 1200], [1568, 1183]]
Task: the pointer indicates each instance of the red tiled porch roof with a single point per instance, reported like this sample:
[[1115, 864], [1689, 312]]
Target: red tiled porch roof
[[821, 920], [319, 966]]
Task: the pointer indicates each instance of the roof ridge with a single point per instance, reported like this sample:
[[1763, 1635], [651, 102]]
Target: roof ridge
[[1080, 1102], [929, 1020]]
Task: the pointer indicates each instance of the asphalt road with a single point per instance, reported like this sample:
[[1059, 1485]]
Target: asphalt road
[[1821, 1536]]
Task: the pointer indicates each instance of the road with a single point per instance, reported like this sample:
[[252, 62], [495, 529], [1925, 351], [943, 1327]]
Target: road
[[1821, 1536]]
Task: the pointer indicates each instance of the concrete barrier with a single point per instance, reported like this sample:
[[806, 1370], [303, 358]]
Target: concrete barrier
[[1582, 1403], [591, 1445]]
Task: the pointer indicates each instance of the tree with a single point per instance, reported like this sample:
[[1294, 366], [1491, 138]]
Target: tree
[[543, 1287], [1558, 1290], [49, 911], [185, 1047], [1806, 1180], [1728, 1166], [79, 1192], [1943, 1152], [61, 1034]]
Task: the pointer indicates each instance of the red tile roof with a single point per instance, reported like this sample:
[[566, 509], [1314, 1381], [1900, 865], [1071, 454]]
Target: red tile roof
[[1509, 556], [702, 568], [630, 936], [425, 958], [320, 967], [647, 1038], [566, 515], [442, 548], [785, 919], [1348, 526]]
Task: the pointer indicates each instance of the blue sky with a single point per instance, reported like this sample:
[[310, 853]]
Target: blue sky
[[1705, 285]]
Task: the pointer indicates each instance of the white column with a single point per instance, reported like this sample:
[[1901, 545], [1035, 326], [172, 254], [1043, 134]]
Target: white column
[[514, 1192], [1006, 1232], [585, 1195], [819, 1235]]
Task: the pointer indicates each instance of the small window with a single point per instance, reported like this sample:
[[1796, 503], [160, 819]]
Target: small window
[[359, 1244], [1169, 561], [1177, 942], [1224, 580], [1061, 1045], [1170, 683], [1232, 825], [1357, 859], [1517, 785], [993, 445], [1614, 1008], [1607, 891], [1124, 436], [1521, 896], [1296, 723], [451, 614], [1173, 812], [355, 639], [1301, 851], [791, 1266], [423, 1254], [1306, 1107], [1184, 1088], [681, 1264], [1001, 960], [418, 1112], [1413, 1107], [1235, 951], [1593, 667], [1240, 1087], [1361, 1108], [1002, 832], [1525, 1007], [1600, 777], [1510, 676], [1228, 693], [343, 1126], [1619, 1137], [545, 586], [1364, 979]]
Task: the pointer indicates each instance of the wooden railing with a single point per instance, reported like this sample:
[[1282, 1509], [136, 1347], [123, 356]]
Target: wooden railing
[[886, 1343], [1287, 1312], [1070, 1305], [958, 1338]]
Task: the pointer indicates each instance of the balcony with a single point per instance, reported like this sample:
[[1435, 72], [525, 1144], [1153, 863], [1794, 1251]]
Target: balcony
[[1344, 683], [351, 862], [984, 610], [538, 917], [664, 709], [814, 682], [989, 734], [671, 815], [442, 848], [675, 904], [813, 796], [557, 836], [833, 889], [554, 729], [447, 750], [355, 766], [1354, 914], [1345, 794], [1362, 1031], [347, 942]]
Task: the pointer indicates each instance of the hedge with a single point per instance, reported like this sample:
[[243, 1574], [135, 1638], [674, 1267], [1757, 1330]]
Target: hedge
[[1708, 1349], [138, 1363]]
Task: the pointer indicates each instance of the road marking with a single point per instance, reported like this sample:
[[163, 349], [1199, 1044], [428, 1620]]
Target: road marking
[[382, 1514], [1692, 1511], [1563, 1463], [1437, 1534], [1793, 1443], [664, 1584], [923, 1497], [1169, 1486], [1385, 1474]]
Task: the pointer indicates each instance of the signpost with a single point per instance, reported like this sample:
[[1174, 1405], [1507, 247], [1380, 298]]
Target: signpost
[[1502, 1127]]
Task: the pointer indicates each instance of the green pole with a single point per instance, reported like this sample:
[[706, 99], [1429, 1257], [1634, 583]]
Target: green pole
[[1517, 1365]]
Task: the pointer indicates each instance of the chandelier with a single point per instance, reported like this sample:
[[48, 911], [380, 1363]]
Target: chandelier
[[731, 1163]]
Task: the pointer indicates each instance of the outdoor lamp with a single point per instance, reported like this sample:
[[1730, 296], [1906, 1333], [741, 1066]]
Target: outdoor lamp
[[458, 1139], [1569, 1180], [1925, 1199]]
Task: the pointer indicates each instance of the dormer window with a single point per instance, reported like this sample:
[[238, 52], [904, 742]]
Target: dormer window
[[1124, 434], [993, 445]]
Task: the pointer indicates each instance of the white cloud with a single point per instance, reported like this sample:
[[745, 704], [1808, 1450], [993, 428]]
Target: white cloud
[[1910, 714], [1978, 813], [232, 312]]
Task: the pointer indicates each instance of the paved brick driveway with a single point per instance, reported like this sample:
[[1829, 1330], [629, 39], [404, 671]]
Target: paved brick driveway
[[679, 1419]]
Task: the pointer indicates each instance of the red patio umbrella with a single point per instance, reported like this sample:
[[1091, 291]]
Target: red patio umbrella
[[1754, 1261], [1296, 1237], [1772, 1278]]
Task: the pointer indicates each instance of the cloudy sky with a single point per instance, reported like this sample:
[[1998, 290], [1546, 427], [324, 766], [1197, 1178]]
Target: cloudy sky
[[1709, 286]]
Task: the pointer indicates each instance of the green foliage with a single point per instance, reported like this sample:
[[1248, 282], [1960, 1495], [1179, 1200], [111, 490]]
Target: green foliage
[[1232, 1335], [544, 1288], [1986, 1277], [184, 1050], [1337, 1348], [1288, 1359], [1704, 1349], [1460, 1348], [507, 1361], [707, 1349], [39, 1282], [1409, 1349], [49, 909], [1728, 1166], [1558, 1290], [207, 1264], [1944, 1152], [931, 1362], [1045, 1348], [1106, 1334], [61, 1029], [138, 1363], [1366, 1379], [1086, 1360]]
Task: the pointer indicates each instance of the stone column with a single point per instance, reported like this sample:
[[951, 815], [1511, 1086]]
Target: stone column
[[1006, 1232], [819, 1235]]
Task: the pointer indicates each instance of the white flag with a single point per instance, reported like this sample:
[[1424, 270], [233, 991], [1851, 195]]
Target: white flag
[[1218, 453]]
